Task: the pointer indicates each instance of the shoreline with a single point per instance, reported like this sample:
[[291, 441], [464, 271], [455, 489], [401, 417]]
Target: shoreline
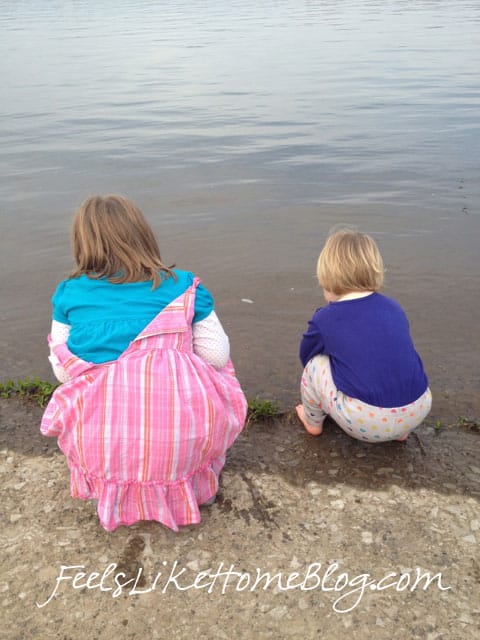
[[432, 271], [38, 392]]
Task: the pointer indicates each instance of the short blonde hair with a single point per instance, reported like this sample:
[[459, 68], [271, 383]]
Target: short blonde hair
[[111, 238], [350, 261]]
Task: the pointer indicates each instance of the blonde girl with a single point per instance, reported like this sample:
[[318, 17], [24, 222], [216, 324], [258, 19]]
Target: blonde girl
[[360, 364], [149, 403]]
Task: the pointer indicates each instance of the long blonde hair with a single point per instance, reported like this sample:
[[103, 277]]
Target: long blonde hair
[[111, 238], [350, 261]]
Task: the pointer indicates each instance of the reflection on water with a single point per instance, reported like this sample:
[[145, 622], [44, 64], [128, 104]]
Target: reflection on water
[[245, 130], [353, 101]]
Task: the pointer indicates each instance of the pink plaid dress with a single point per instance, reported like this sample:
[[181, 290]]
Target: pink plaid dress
[[146, 435]]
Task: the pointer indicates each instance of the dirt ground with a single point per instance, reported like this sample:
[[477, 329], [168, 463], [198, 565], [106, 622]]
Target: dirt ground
[[309, 538]]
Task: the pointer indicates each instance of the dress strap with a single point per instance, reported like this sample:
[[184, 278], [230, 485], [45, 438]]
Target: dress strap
[[176, 317]]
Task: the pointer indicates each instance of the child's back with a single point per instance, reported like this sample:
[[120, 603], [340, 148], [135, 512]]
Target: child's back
[[372, 355], [360, 364], [145, 427]]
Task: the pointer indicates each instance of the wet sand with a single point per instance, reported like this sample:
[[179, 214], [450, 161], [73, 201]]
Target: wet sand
[[268, 256], [287, 502]]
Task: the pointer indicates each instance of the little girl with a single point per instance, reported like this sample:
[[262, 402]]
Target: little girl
[[149, 403], [361, 367]]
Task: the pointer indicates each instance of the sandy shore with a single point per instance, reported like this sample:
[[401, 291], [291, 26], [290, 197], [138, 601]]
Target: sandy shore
[[322, 512]]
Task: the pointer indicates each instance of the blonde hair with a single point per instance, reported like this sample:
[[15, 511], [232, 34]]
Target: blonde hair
[[350, 261], [111, 238]]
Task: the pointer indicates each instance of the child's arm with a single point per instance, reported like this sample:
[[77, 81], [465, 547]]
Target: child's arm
[[58, 335], [210, 341], [312, 343]]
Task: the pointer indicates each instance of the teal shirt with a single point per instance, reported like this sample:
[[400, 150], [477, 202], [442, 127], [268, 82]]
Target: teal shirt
[[105, 317]]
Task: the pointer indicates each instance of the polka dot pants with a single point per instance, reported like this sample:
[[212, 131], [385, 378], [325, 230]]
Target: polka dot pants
[[358, 419]]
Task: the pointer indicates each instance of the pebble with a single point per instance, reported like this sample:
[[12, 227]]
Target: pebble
[[338, 504], [455, 510], [15, 517], [475, 525], [303, 604], [466, 619], [367, 537], [449, 485], [278, 612], [470, 539]]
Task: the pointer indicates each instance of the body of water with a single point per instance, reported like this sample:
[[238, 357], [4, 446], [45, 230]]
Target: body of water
[[244, 130]]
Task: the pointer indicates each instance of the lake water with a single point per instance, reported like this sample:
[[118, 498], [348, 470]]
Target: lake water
[[244, 130]]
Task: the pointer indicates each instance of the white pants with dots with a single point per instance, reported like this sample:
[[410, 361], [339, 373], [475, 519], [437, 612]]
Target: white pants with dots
[[358, 419]]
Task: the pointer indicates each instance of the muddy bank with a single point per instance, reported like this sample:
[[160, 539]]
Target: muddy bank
[[287, 504]]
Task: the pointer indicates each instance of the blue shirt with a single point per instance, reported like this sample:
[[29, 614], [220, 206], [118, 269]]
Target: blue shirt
[[105, 317], [372, 355]]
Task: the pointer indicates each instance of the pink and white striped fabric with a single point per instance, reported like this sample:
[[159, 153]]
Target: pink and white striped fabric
[[146, 435]]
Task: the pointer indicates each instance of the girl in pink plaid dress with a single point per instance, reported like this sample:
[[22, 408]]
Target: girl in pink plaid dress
[[149, 403]]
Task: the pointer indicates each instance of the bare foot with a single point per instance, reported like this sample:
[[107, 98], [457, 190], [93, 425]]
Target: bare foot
[[313, 431]]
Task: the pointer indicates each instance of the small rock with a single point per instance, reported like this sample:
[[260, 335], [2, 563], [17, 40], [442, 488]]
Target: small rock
[[466, 619], [278, 613], [470, 539], [74, 534], [303, 605], [455, 510], [475, 469], [338, 504], [475, 525], [367, 537], [15, 517]]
